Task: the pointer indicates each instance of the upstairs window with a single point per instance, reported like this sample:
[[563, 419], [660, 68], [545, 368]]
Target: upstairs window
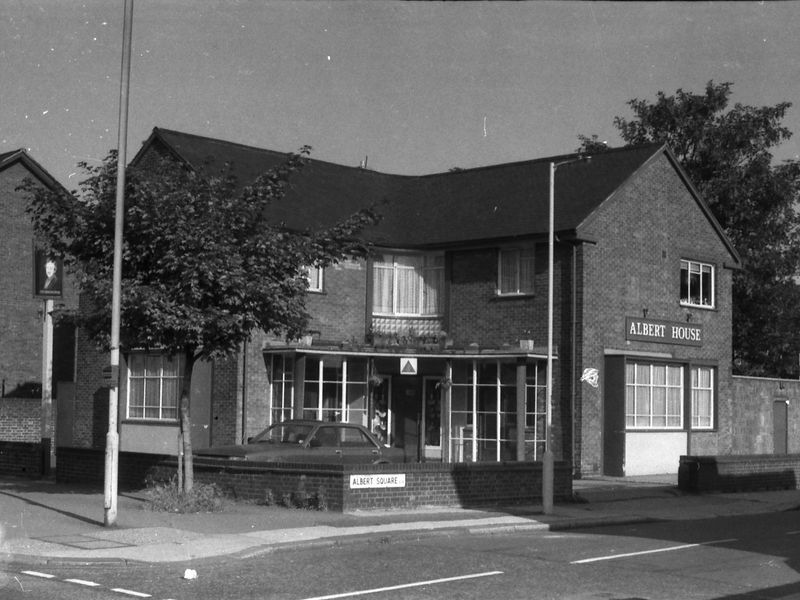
[[314, 277], [408, 285], [154, 386], [697, 284], [515, 271]]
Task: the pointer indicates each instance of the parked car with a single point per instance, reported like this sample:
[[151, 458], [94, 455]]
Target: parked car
[[310, 442]]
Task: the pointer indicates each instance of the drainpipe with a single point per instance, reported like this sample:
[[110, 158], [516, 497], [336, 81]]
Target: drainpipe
[[574, 350], [244, 392]]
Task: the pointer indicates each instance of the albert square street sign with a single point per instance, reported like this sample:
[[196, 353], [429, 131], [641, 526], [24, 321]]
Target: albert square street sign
[[663, 332]]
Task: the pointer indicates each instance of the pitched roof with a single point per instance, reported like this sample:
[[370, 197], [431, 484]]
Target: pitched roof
[[504, 201], [7, 159]]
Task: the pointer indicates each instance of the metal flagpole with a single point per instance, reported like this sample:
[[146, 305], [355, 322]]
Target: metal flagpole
[[112, 438]]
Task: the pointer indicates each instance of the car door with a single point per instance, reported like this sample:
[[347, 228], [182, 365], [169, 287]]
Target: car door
[[357, 447], [324, 445]]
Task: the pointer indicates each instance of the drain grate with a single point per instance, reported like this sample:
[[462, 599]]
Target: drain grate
[[83, 542]]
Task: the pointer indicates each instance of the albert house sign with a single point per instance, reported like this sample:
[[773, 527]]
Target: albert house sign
[[663, 332]]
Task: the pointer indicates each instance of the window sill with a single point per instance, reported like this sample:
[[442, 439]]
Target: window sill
[[698, 306], [156, 422], [501, 297]]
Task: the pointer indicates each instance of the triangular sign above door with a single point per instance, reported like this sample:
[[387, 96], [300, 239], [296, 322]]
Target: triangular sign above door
[[408, 366]]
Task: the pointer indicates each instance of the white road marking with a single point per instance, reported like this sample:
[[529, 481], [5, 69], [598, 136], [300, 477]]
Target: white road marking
[[83, 582], [405, 586], [629, 554], [130, 593], [38, 574], [792, 532], [87, 584]]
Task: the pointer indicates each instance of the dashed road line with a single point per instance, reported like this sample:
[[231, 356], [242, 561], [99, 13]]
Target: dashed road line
[[86, 583], [643, 552], [405, 586], [38, 574], [130, 593], [83, 582]]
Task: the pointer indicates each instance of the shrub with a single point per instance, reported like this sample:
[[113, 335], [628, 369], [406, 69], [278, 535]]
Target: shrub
[[166, 497]]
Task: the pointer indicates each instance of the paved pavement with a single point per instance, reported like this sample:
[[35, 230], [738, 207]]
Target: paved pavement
[[42, 522]]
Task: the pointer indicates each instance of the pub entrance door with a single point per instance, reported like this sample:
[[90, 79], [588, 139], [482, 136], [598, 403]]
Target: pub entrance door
[[407, 421]]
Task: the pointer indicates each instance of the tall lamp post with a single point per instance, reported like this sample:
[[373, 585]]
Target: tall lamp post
[[112, 437], [548, 459]]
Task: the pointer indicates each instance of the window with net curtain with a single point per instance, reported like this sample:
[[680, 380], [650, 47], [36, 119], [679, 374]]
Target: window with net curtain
[[408, 284], [653, 396], [154, 386], [515, 271]]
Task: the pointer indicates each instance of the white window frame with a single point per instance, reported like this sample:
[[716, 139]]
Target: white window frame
[[704, 393], [522, 261], [694, 297], [161, 378], [647, 388], [314, 276], [402, 274], [281, 392]]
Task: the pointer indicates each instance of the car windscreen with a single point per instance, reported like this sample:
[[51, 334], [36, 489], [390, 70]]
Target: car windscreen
[[284, 433]]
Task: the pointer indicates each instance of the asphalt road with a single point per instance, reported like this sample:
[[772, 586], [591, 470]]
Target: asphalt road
[[753, 557]]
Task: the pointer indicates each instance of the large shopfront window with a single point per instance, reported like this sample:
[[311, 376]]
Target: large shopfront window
[[335, 389], [536, 411], [282, 388], [484, 411], [655, 396]]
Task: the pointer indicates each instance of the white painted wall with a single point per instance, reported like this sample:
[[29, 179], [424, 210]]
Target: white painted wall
[[653, 452]]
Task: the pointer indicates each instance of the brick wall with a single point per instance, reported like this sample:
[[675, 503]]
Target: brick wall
[[427, 484], [739, 473], [339, 313], [25, 459], [642, 233], [20, 419], [22, 318], [20, 313], [87, 466], [90, 416], [751, 408]]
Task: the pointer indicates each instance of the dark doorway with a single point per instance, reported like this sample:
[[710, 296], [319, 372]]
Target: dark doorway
[[614, 417], [407, 405], [780, 426]]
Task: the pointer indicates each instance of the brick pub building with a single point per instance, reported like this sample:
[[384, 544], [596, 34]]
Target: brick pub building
[[437, 342], [36, 354]]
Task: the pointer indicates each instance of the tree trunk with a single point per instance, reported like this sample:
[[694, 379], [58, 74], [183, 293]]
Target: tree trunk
[[186, 424]]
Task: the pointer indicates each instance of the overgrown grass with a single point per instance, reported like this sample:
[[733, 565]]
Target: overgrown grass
[[166, 497]]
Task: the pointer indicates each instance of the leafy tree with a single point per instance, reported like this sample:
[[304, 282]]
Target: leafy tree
[[202, 266], [727, 153]]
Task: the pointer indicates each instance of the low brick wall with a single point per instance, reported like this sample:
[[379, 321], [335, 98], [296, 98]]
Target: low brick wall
[[739, 473], [425, 484], [24, 459], [87, 466]]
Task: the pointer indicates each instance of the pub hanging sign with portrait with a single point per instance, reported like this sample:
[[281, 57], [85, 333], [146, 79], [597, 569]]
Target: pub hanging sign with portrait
[[48, 274]]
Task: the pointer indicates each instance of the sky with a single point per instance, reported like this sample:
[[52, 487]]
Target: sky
[[410, 87]]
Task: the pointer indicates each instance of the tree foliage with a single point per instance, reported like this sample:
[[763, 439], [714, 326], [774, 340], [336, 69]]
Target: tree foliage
[[202, 265], [727, 153]]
